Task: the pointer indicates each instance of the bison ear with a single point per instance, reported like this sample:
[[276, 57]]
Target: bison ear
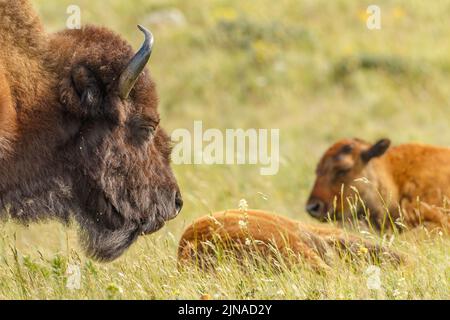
[[377, 150], [88, 89]]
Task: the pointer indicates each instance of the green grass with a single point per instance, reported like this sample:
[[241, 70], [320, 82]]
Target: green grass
[[309, 68]]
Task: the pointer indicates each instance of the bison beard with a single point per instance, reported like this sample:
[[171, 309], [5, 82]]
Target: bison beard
[[79, 133]]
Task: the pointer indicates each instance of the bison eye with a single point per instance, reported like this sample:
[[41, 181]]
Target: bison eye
[[141, 129]]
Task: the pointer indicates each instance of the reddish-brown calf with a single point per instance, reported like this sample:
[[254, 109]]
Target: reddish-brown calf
[[272, 237], [405, 186]]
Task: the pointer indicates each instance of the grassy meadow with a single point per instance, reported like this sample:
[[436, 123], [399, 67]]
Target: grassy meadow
[[310, 68]]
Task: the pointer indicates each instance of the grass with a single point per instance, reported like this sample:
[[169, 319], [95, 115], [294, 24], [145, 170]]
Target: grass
[[311, 69]]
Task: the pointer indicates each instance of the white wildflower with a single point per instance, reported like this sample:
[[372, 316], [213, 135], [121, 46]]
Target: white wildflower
[[243, 224], [243, 205]]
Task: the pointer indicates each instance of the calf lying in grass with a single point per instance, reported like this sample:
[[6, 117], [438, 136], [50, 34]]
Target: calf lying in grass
[[405, 186], [273, 238]]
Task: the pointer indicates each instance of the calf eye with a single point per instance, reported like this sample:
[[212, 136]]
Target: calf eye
[[342, 173], [141, 129], [347, 149]]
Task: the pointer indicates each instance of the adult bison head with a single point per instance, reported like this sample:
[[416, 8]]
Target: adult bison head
[[119, 155], [89, 144]]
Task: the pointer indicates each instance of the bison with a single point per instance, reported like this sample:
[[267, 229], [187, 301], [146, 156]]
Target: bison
[[80, 138], [388, 188], [273, 238]]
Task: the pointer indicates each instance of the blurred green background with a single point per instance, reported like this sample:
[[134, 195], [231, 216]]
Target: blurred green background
[[310, 68]]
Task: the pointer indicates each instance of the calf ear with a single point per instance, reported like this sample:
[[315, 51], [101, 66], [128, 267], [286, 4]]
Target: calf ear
[[375, 151]]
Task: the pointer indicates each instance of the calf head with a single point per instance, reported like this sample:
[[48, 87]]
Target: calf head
[[344, 165]]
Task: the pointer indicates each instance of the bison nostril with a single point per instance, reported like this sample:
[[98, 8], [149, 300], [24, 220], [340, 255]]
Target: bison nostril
[[315, 208], [178, 202]]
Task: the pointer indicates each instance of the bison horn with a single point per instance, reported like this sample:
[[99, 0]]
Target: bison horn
[[135, 67]]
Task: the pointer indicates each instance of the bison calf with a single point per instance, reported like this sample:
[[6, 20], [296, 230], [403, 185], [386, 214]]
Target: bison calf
[[271, 237], [406, 185]]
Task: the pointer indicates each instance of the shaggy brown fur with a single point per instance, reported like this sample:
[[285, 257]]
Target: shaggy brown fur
[[7, 114], [411, 182], [261, 232], [69, 145]]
